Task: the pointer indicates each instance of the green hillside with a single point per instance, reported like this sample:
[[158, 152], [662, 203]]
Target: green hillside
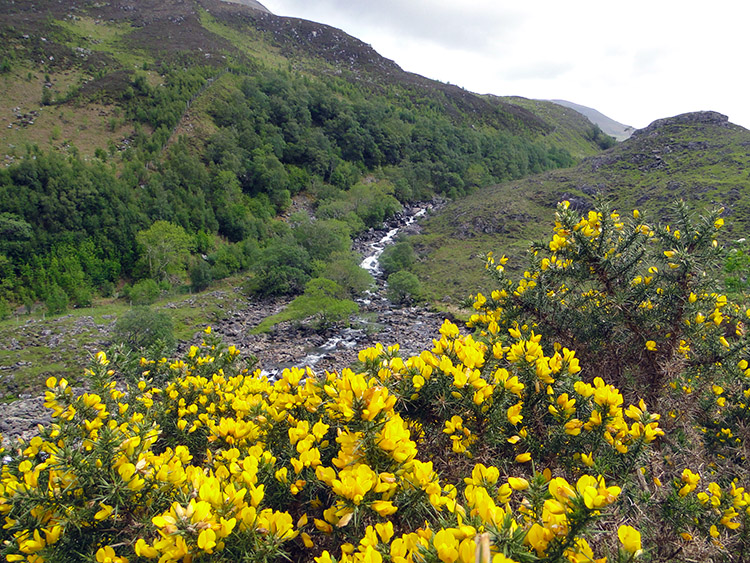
[[222, 120], [700, 158]]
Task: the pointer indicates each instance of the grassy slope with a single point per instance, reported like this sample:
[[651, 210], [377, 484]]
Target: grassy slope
[[94, 50], [569, 127], [703, 163], [35, 346]]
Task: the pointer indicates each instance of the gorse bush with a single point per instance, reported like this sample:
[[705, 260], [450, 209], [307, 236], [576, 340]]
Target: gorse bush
[[224, 464], [501, 445], [642, 302]]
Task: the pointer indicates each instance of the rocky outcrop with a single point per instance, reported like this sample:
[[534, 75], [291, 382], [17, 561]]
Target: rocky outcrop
[[692, 118], [250, 4]]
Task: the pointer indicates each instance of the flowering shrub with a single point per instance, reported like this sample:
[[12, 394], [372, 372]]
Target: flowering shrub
[[492, 446], [225, 464]]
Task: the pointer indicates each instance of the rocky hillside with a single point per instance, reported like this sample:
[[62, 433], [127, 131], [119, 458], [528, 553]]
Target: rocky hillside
[[88, 53]]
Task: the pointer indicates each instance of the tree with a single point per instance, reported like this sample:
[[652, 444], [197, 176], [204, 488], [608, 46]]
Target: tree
[[282, 268], [57, 300], [399, 256], [404, 287], [344, 269], [321, 238], [200, 275], [145, 292], [166, 250], [15, 233], [323, 304], [323, 301]]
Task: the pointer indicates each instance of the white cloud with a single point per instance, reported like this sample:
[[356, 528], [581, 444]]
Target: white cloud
[[636, 61]]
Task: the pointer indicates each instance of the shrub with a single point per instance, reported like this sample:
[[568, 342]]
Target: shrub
[[144, 292], [323, 304], [200, 275], [282, 268], [344, 269], [644, 304], [321, 238], [404, 287], [399, 256], [501, 445], [57, 300], [165, 249], [641, 301], [107, 289], [224, 464], [145, 331], [82, 296]]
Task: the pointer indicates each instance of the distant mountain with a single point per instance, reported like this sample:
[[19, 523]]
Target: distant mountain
[[699, 157], [606, 124]]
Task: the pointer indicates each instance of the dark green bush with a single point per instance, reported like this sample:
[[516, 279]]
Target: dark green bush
[[323, 237], [145, 331], [322, 305], [144, 292], [283, 268], [200, 275], [399, 256], [344, 269], [404, 287], [57, 300]]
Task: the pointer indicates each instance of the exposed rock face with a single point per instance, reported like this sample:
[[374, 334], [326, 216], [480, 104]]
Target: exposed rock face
[[21, 418]]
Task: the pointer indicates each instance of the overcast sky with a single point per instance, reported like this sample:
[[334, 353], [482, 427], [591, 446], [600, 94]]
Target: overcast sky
[[634, 61]]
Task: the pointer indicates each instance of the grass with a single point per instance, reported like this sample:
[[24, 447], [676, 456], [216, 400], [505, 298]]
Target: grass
[[57, 127], [62, 345], [197, 123], [248, 40], [569, 125], [104, 37]]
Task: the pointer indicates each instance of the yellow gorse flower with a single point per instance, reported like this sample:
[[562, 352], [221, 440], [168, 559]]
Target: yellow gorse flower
[[630, 539]]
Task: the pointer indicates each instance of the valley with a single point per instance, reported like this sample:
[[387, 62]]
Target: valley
[[267, 297]]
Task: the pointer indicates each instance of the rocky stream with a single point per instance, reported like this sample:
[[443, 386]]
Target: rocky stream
[[289, 344]]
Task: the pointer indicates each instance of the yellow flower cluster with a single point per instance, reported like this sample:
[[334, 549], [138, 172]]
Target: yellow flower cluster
[[516, 375], [223, 462], [501, 510]]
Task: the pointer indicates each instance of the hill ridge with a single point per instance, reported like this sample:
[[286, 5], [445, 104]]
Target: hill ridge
[[688, 118], [699, 157]]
